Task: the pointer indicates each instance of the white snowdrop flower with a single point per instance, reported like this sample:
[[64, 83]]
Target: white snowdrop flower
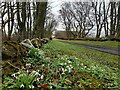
[[82, 64], [28, 64], [88, 68], [62, 69], [76, 58], [41, 77], [70, 65], [67, 67], [61, 63], [69, 70], [41, 52], [63, 73], [65, 63], [33, 72], [69, 61], [18, 72], [36, 73], [13, 75], [65, 70], [35, 52], [27, 71], [47, 58], [39, 74], [38, 79], [43, 65], [32, 86], [50, 87], [38, 70], [22, 86]]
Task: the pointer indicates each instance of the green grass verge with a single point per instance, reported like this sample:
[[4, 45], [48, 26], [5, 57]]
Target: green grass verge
[[105, 64], [101, 43]]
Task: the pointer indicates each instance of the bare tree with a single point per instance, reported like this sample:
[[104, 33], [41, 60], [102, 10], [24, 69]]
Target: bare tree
[[118, 22]]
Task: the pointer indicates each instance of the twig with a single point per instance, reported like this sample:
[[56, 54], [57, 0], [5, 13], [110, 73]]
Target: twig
[[13, 65]]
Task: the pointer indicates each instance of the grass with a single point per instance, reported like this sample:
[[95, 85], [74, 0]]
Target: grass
[[61, 66], [85, 53], [87, 56], [101, 43]]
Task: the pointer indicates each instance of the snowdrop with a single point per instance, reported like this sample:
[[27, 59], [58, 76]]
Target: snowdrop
[[22, 86], [41, 77], [34, 72], [61, 64], [43, 65], [69, 70], [82, 64], [67, 67], [70, 65], [51, 87], [41, 52], [85, 66], [13, 75], [63, 73], [69, 61], [28, 64], [38, 79], [31, 86], [65, 70], [18, 72]]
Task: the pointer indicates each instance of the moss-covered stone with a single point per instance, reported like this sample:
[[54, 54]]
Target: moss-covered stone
[[11, 49]]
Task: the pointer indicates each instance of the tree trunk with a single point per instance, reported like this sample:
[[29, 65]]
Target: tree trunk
[[118, 22], [41, 19]]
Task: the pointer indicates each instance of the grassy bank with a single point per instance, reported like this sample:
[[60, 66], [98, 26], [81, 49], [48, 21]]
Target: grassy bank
[[64, 66]]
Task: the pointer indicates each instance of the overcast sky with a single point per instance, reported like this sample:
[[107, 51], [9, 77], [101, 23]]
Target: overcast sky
[[56, 4]]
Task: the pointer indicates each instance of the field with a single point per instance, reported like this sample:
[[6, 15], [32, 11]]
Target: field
[[63, 66]]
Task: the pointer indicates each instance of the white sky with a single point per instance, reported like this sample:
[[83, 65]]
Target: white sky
[[56, 5]]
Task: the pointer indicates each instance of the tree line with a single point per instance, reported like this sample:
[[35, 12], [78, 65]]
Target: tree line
[[21, 20], [81, 19]]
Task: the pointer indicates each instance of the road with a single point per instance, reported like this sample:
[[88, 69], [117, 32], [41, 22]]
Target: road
[[110, 50]]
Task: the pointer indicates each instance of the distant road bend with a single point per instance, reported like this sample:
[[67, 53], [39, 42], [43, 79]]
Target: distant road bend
[[110, 50]]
